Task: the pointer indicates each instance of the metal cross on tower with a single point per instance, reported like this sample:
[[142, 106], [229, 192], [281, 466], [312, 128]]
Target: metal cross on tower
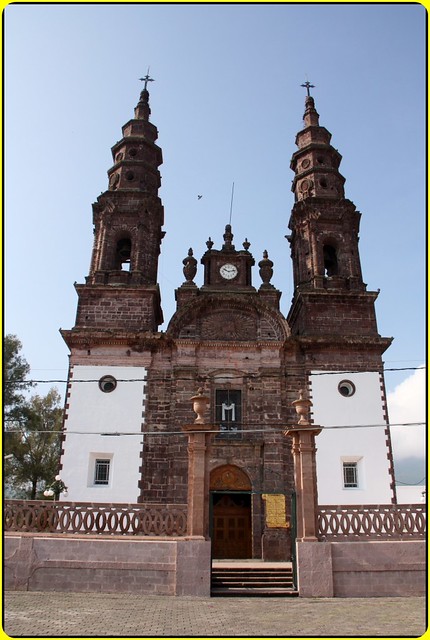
[[146, 79], [308, 86]]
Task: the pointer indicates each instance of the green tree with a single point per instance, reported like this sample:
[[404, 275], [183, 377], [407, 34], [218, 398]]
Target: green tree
[[15, 370], [32, 445]]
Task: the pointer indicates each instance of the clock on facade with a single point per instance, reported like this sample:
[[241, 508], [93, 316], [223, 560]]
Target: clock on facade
[[228, 271]]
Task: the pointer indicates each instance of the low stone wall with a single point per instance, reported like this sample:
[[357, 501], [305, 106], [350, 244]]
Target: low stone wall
[[169, 566], [361, 569]]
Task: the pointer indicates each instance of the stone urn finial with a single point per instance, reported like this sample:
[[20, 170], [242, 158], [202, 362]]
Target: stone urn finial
[[200, 402], [302, 406], [190, 267], [266, 269]]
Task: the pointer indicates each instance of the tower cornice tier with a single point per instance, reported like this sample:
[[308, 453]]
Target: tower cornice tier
[[313, 135], [87, 338], [313, 342], [119, 307], [339, 312]]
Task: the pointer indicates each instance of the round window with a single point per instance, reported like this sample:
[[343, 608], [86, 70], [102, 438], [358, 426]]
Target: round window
[[107, 384], [129, 176], [346, 388]]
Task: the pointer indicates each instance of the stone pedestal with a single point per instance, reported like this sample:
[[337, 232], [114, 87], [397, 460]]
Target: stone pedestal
[[199, 435], [305, 478], [198, 478], [305, 472]]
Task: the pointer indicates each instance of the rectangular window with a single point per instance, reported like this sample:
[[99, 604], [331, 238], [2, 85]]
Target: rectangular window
[[350, 475], [101, 471], [228, 413]]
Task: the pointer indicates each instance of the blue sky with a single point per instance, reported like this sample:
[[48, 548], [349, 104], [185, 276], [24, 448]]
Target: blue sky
[[227, 103]]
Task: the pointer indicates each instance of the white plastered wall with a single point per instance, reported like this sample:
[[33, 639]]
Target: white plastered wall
[[91, 412], [365, 445]]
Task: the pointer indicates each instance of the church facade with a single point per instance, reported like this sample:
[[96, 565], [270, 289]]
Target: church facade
[[130, 384]]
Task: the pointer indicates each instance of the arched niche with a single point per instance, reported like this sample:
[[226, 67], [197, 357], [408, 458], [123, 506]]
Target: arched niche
[[229, 478]]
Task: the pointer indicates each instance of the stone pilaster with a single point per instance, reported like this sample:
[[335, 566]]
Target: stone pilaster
[[305, 473], [199, 436], [305, 477]]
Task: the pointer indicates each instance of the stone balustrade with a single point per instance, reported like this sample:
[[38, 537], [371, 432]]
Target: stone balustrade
[[371, 522], [96, 518], [343, 523]]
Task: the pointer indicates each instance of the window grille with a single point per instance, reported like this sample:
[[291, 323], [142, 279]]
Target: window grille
[[101, 471], [350, 475]]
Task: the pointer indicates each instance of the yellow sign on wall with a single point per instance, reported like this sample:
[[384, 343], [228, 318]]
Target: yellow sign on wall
[[275, 510]]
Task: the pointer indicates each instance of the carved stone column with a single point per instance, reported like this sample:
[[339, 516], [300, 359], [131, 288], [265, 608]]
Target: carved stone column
[[198, 472], [305, 476]]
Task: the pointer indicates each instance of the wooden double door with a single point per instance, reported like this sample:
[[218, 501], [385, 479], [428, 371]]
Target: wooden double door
[[231, 525]]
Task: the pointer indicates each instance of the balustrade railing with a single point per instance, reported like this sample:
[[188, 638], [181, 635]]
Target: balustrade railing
[[346, 522], [371, 522], [89, 517]]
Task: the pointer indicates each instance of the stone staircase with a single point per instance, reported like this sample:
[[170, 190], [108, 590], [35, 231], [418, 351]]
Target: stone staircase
[[252, 579]]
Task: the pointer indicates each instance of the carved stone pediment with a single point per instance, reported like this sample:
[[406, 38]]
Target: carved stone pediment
[[228, 320], [228, 324]]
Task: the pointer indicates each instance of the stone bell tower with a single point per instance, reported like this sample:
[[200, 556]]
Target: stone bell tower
[[121, 290], [330, 295]]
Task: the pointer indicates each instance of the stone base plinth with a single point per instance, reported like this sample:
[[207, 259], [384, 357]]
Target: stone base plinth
[[361, 569], [314, 570], [161, 566]]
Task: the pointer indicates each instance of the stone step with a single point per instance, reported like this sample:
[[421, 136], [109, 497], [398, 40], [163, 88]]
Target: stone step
[[251, 576], [252, 581], [253, 591]]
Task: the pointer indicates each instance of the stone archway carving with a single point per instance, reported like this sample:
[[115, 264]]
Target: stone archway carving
[[229, 478], [228, 318]]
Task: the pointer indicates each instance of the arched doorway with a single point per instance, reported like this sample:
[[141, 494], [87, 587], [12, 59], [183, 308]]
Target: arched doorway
[[231, 524]]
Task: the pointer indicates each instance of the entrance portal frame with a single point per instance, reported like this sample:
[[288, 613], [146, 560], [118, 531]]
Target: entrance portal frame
[[230, 479]]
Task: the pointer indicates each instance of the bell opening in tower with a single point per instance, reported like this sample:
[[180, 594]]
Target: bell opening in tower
[[123, 254], [331, 267]]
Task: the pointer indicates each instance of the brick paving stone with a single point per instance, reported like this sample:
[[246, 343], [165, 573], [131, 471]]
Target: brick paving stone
[[86, 615]]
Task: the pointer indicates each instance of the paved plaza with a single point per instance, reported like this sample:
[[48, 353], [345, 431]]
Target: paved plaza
[[116, 615]]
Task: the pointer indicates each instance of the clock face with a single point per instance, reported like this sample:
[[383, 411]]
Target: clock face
[[228, 271]]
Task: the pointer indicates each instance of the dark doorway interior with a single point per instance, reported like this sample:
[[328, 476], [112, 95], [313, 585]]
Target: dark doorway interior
[[231, 525]]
